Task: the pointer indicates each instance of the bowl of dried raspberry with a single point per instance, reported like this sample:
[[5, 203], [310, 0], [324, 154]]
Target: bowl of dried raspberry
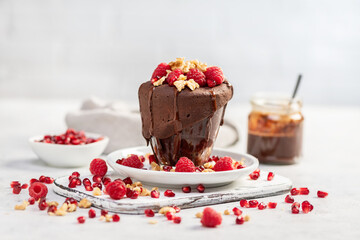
[[69, 149], [224, 167]]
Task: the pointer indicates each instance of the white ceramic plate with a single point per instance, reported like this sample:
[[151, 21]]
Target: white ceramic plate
[[179, 179], [59, 155]]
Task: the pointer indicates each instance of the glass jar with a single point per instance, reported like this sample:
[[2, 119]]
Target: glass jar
[[275, 129]]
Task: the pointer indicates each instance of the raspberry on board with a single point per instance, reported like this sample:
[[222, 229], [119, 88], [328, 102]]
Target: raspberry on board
[[223, 164], [214, 76], [133, 161], [98, 167], [38, 190], [211, 218], [116, 190], [197, 75], [184, 165]]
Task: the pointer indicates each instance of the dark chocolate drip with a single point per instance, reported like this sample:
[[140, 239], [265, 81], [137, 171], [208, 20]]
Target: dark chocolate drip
[[151, 130], [213, 99], [178, 125]]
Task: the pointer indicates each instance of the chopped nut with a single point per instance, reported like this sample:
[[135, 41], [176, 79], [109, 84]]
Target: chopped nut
[[145, 192], [52, 203], [192, 84], [64, 207], [227, 212], [22, 206], [180, 85], [209, 165], [101, 218], [153, 221], [178, 63], [108, 218], [62, 210], [181, 77], [155, 166], [246, 218], [172, 170], [208, 170], [155, 189], [159, 82], [137, 184], [138, 189], [97, 191], [164, 210], [199, 215], [71, 208], [84, 203]]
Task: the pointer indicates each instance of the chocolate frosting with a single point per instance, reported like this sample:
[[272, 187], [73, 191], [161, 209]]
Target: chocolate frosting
[[165, 111]]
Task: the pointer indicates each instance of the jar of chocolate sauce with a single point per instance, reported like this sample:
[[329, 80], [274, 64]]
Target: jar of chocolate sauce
[[275, 129]]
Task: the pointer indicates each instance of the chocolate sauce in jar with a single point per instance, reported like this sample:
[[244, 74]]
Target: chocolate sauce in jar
[[275, 129]]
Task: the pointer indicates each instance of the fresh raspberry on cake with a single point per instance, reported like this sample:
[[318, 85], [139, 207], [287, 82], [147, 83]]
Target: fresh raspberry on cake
[[197, 75], [173, 76], [116, 189], [184, 165], [214, 76], [211, 218], [223, 164], [133, 161], [160, 71], [98, 167]]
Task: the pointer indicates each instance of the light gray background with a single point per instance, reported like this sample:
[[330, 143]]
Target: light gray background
[[78, 48]]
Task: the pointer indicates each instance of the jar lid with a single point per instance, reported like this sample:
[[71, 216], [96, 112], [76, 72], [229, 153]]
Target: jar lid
[[275, 102]]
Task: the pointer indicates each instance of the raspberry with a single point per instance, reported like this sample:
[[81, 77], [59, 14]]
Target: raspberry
[[224, 164], [116, 190], [184, 165], [173, 76], [211, 218], [214, 76], [197, 75], [38, 190], [160, 71], [133, 161], [98, 167]]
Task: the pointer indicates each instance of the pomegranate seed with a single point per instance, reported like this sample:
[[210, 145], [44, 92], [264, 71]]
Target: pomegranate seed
[[75, 174], [177, 219], [289, 199], [322, 194], [262, 206], [257, 170], [86, 182], [244, 203], [239, 220], [97, 179], [270, 176], [31, 200], [186, 189], [295, 205], [169, 193], [104, 212], [155, 194], [106, 180], [33, 180], [52, 209], [177, 209], [72, 183], [304, 191], [237, 211], [152, 159], [98, 185], [42, 179], [135, 195], [129, 192], [254, 175], [294, 191], [306, 207], [167, 168], [14, 183], [92, 213], [49, 180], [89, 188], [16, 190], [272, 204], [200, 169], [116, 218], [149, 212], [78, 181], [200, 188], [42, 204], [119, 161], [127, 181], [81, 219], [169, 216], [71, 200], [295, 210], [253, 203]]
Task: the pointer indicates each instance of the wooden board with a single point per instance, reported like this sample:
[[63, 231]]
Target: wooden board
[[240, 189]]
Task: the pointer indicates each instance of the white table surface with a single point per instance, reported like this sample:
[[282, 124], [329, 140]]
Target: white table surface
[[331, 163]]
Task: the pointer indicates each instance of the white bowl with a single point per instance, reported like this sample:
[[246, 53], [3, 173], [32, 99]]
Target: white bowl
[[59, 155], [178, 179]]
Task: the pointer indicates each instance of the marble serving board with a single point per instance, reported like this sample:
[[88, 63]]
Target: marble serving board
[[240, 189]]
